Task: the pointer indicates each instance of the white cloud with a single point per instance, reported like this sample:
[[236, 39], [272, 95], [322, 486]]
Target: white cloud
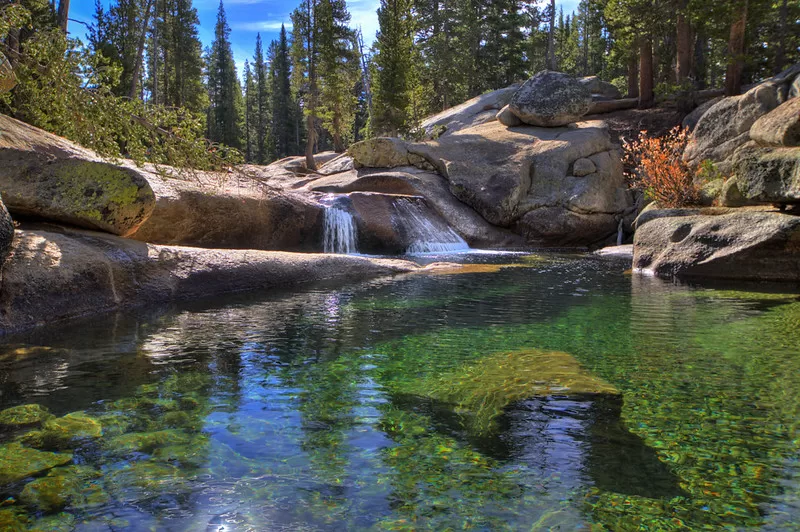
[[364, 15], [263, 25]]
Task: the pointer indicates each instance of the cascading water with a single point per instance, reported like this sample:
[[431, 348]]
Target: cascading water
[[428, 236], [340, 234]]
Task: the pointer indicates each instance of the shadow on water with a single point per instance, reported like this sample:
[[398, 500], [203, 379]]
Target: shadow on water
[[582, 437]]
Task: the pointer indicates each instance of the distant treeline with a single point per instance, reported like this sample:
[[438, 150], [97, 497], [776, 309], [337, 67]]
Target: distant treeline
[[320, 87]]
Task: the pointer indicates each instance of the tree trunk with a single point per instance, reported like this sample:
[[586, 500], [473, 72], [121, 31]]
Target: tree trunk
[[63, 15], [646, 97], [733, 74], [780, 55], [683, 62], [311, 139], [551, 38], [633, 77], [140, 50], [12, 47], [700, 63]]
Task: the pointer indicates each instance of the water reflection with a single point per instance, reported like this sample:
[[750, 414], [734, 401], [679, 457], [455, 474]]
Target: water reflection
[[304, 410]]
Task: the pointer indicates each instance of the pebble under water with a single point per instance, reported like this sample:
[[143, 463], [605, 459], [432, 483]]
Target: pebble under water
[[521, 392]]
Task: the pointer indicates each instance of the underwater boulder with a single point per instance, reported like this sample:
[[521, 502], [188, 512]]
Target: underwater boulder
[[65, 432], [18, 462], [24, 415], [76, 486]]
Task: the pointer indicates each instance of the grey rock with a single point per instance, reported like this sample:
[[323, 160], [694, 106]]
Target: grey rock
[[474, 112], [690, 121], [779, 127], [47, 177], [53, 276], [551, 99], [764, 175], [557, 227], [508, 118], [601, 88], [583, 167], [746, 245]]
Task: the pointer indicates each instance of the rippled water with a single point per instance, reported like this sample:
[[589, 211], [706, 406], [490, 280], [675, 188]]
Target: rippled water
[[417, 403]]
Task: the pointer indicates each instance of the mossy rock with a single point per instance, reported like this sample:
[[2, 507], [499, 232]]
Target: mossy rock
[[193, 454], [62, 522], [65, 432], [147, 478], [76, 486], [24, 415], [483, 390], [182, 420], [146, 442], [92, 194], [18, 462], [13, 520]]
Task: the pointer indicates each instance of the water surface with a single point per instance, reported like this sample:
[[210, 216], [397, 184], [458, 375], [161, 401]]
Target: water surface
[[356, 408]]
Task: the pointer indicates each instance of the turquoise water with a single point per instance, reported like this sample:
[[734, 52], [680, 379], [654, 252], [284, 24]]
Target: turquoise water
[[418, 402]]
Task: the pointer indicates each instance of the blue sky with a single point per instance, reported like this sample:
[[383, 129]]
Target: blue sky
[[249, 17]]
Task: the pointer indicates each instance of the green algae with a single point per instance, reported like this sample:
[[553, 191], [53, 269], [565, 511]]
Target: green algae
[[75, 486], [31, 414], [48, 494], [146, 442], [89, 188], [62, 522], [64, 432], [13, 520], [484, 389], [18, 462]]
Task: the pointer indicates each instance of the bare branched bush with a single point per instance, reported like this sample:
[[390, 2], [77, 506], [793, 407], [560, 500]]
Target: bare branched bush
[[656, 166]]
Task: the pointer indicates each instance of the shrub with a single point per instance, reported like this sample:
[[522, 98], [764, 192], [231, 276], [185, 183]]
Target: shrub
[[656, 166]]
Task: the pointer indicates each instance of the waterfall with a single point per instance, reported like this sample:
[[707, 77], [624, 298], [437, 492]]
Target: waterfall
[[426, 234], [340, 231]]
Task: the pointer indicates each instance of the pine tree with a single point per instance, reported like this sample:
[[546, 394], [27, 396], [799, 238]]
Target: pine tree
[[250, 115], [305, 64], [339, 71], [225, 93], [117, 35], [285, 111], [392, 68], [175, 57], [264, 149]]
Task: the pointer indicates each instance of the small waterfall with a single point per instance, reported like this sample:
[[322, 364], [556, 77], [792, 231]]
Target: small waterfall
[[340, 231], [427, 235]]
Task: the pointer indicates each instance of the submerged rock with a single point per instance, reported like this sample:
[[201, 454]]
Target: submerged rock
[[483, 390], [18, 462], [23, 415], [47, 177], [61, 522], [13, 520], [551, 99], [747, 245], [146, 442], [75, 486], [65, 432]]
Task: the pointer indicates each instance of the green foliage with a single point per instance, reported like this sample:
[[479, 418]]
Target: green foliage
[[226, 109], [392, 67], [285, 118]]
